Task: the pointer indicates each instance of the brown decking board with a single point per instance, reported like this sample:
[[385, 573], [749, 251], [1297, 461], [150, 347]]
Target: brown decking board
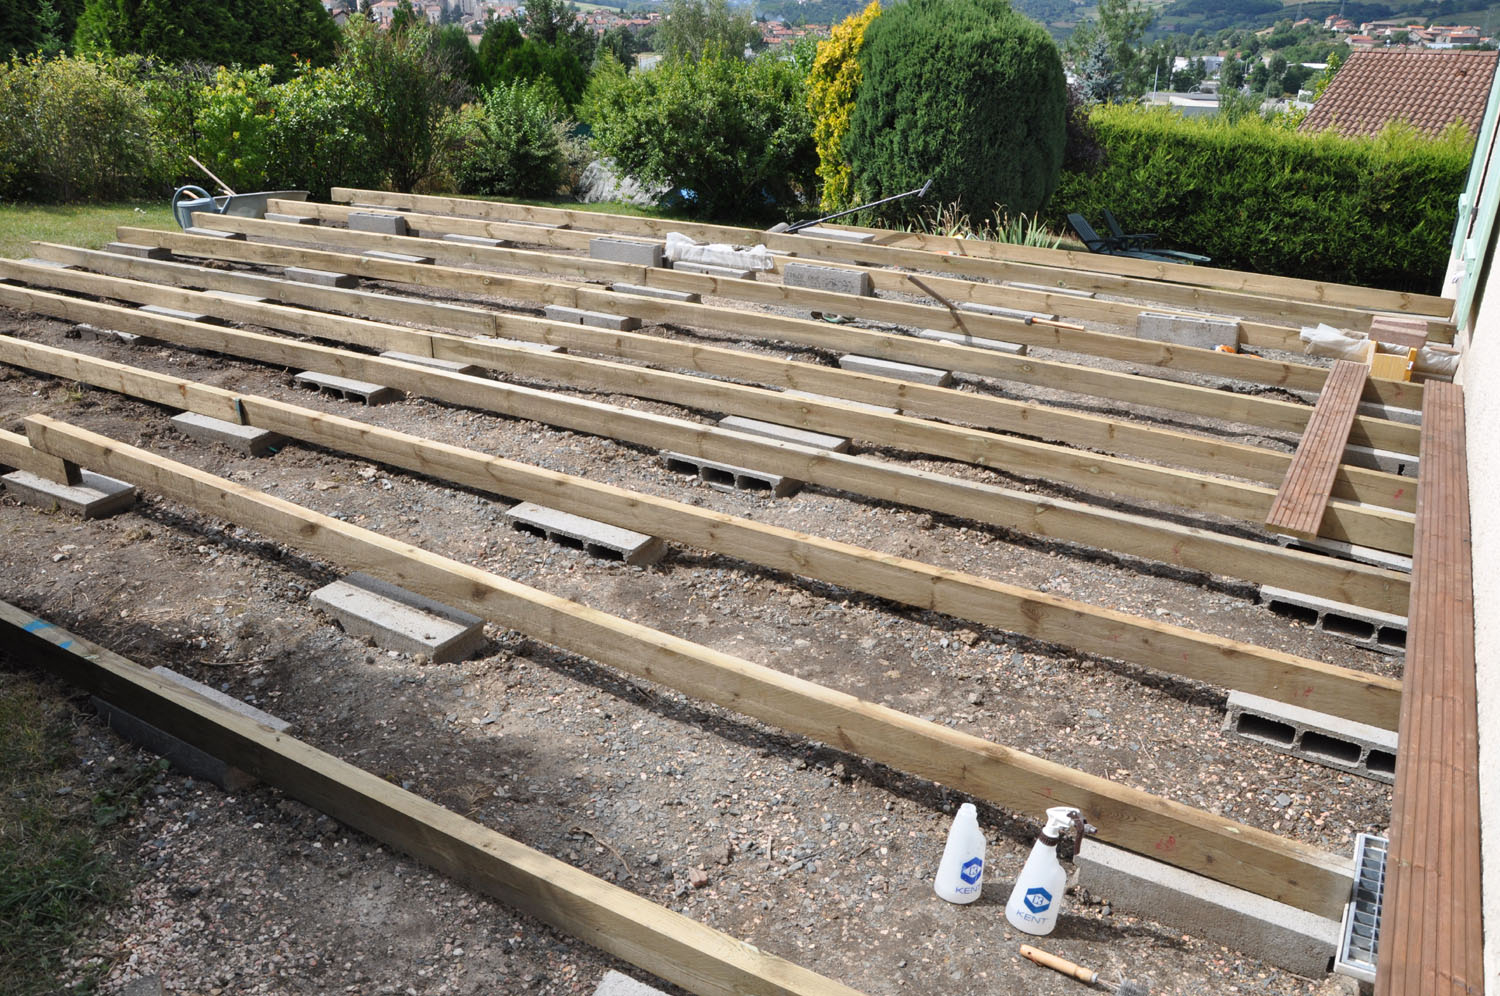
[[1431, 942], [1299, 505]]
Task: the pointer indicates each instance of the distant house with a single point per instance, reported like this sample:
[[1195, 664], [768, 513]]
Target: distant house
[[1428, 90]]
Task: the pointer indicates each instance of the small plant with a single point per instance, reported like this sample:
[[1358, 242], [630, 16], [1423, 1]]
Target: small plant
[[952, 221]]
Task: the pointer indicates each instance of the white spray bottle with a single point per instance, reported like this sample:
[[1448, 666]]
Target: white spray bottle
[[960, 875], [1038, 896]]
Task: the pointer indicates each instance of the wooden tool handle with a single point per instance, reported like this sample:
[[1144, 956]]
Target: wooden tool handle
[[1057, 964]]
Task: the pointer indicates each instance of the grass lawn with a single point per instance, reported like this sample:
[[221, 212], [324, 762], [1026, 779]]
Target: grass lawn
[[87, 225]]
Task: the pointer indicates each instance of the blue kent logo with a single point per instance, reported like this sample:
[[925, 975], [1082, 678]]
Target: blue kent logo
[[1038, 900], [971, 870]]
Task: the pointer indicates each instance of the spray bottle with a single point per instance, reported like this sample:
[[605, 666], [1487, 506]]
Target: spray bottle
[[960, 875], [1038, 896]]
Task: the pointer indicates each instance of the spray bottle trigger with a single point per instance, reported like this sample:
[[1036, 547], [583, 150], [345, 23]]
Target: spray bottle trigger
[[1080, 827]]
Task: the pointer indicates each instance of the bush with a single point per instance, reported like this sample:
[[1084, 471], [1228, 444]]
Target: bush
[[234, 127], [1257, 196], [735, 133], [832, 86], [967, 92], [316, 140], [513, 147]]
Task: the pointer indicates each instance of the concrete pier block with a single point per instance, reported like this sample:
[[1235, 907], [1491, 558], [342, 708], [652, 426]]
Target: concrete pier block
[[1331, 741], [1348, 551], [728, 477], [291, 219], [50, 263], [1018, 313], [347, 388], [828, 278], [186, 316], [87, 331], [1375, 409], [400, 620], [960, 339], [368, 221], [232, 296], [94, 497], [140, 251], [618, 984], [397, 257], [596, 319], [534, 347], [322, 278], [1405, 464], [215, 233], [598, 539], [451, 366], [626, 251], [1069, 291], [687, 297], [1371, 628], [785, 433], [1199, 331], [900, 371], [729, 272], [1283, 935], [823, 398], [475, 240], [819, 232], [246, 438]]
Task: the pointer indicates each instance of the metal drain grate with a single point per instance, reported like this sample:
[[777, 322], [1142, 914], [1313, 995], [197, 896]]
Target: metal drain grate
[[1361, 941]]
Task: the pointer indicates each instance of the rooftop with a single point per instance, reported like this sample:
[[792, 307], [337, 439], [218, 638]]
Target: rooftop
[[1428, 90]]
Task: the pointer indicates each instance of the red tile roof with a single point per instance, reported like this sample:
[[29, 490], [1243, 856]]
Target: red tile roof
[[1428, 90]]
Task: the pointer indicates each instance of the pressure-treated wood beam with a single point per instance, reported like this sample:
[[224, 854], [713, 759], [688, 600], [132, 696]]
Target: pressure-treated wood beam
[[1253, 859], [16, 452]]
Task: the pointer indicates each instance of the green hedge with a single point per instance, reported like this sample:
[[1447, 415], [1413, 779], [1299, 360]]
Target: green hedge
[[1256, 195]]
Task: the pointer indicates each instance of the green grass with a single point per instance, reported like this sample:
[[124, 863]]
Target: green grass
[[88, 225]]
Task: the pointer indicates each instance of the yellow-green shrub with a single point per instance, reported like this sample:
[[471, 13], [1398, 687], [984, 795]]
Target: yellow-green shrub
[[832, 86]]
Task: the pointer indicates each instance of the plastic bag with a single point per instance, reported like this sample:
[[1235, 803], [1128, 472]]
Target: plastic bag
[[680, 247]]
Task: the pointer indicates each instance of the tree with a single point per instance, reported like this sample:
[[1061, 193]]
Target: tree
[[832, 85], [1295, 78], [1099, 79], [1258, 78], [279, 33], [404, 16], [451, 44], [1232, 74], [1275, 73], [622, 43], [514, 147], [556, 23], [1326, 76], [1122, 24], [500, 37], [695, 28], [969, 93]]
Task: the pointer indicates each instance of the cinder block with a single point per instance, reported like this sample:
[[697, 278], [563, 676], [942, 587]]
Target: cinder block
[[617, 984], [347, 388], [1283, 935], [397, 257], [626, 251], [728, 477], [785, 433], [1199, 331], [246, 438], [401, 620], [186, 316], [94, 497], [597, 319], [728, 272], [900, 371], [598, 539], [475, 240], [144, 252], [1347, 551], [451, 366], [322, 278], [828, 278], [291, 219], [866, 406], [1368, 627], [232, 296], [819, 232], [384, 224], [183, 756], [687, 297], [961, 339], [1069, 291], [994, 309], [214, 233], [1357, 748], [1405, 464]]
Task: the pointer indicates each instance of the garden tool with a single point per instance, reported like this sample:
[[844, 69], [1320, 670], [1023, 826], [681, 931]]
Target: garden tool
[[1125, 987]]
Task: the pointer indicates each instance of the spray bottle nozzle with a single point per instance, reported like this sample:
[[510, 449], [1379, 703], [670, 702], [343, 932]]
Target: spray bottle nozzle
[[1061, 819]]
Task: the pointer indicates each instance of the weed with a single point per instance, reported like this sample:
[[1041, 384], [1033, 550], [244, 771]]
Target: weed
[[953, 221]]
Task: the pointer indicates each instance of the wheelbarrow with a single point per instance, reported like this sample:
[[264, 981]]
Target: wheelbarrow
[[188, 199]]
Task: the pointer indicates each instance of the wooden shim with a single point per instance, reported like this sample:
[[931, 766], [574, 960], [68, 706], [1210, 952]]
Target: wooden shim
[[1184, 546], [1303, 497], [1197, 453], [1431, 941], [1382, 528], [1288, 871], [666, 944], [1378, 433]]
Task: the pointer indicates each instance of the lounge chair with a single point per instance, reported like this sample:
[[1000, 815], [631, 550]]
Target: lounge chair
[[1146, 242], [1094, 242]]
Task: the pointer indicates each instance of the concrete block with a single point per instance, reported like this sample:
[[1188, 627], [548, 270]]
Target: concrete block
[[322, 278], [598, 539], [1331, 741], [214, 233], [533, 224], [819, 232], [1199, 331], [626, 251], [291, 219], [535, 347], [961, 339], [94, 497], [183, 756], [1348, 551], [864, 405], [785, 433], [245, 438], [143, 252], [376, 208], [186, 316], [87, 331], [1283, 935], [729, 272], [1405, 464], [401, 620], [347, 388], [994, 309], [367, 221], [828, 278], [596, 319], [728, 477], [232, 296], [687, 297], [1371, 628], [1069, 291], [451, 366], [618, 984], [50, 263], [900, 371], [475, 240], [1374, 409], [397, 257]]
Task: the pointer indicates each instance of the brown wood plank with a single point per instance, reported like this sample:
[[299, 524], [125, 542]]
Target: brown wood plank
[[1431, 941], [1299, 506]]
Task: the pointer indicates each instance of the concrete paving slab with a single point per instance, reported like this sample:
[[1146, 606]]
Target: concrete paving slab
[[899, 371], [1331, 741], [452, 366], [50, 263], [687, 297], [322, 278], [730, 272], [728, 477], [535, 347], [961, 339], [400, 620], [246, 438], [94, 497], [140, 251], [626, 251], [87, 331], [828, 278], [368, 221], [596, 319], [598, 539], [819, 232], [347, 388], [233, 296], [785, 433]]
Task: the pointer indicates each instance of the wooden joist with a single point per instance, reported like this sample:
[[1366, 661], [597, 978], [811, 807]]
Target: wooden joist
[[1431, 943], [16, 452], [1303, 497], [1327, 688], [667, 944], [1241, 855]]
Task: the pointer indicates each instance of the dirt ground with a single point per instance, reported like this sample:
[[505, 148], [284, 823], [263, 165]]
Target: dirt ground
[[814, 855]]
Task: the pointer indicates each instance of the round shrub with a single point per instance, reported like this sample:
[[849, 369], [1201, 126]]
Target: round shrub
[[967, 92], [513, 146]]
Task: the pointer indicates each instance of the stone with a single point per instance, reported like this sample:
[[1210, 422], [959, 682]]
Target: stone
[[687, 297], [785, 433], [828, 278], [598, 539], [145, 985], [626, 251], [291, 219], [142, 252], [247, 439], [1331, 741], [347, 388], [1199, 331], [450, 366], [94, 497], [322, 278], [383, 224], [728, 272], [878, 367], [596, 319], [401, 620], [728, 477], [397, 257], [962, 339]]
